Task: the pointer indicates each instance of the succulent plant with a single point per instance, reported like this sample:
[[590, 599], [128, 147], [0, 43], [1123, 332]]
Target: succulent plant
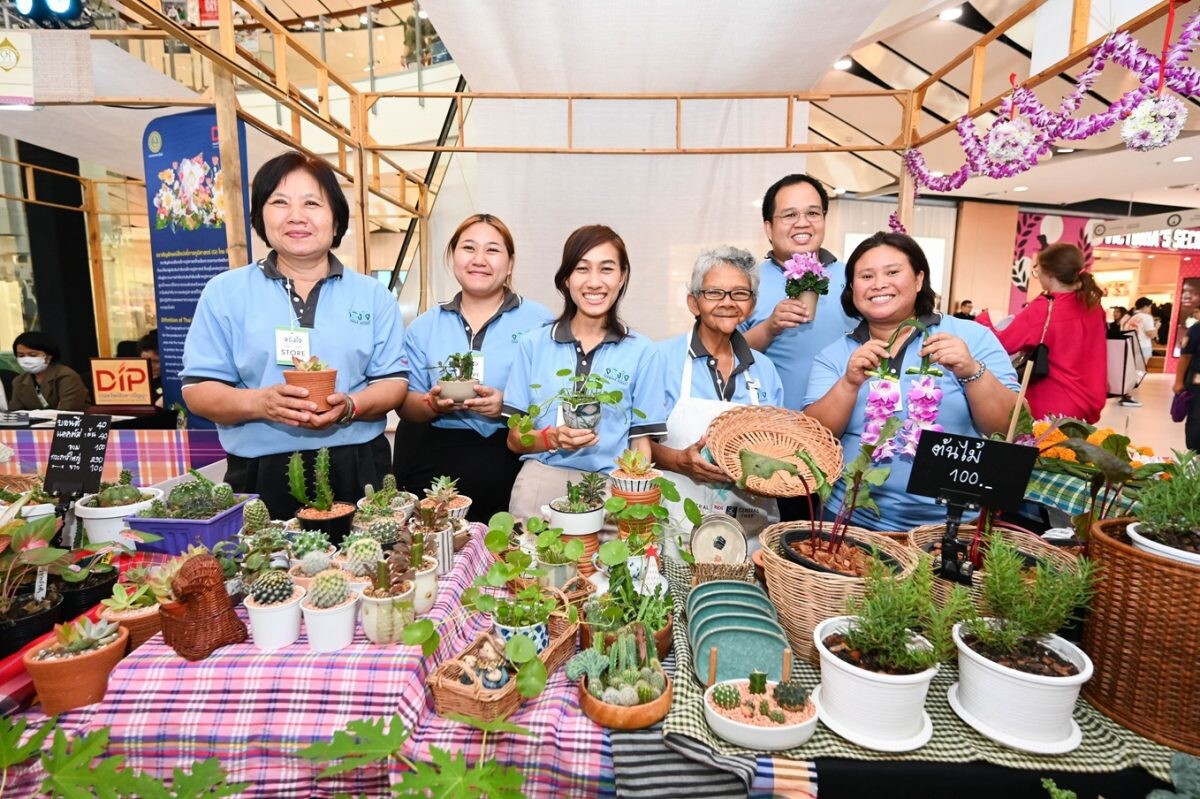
[[790, 694], [645, 692], [322, 497], [193, 499], [272, 587], [385, 531], [443, 489], [309, 541], [117, 495], [329, 589], [764, 708], [389, 483], [758, 682], [222, 494], [362, 555], [129, 597], [82, 635], [777, 716], [635, 463], [314, 563], [313, 364], [255, 516], [726, 696], [162, 578]]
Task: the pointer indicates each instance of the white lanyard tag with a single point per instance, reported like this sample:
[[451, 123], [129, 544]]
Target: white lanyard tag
[[477, 365], [291, 342]]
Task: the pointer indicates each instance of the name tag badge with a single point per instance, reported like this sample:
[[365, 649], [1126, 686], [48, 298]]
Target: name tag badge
[[291, 342], [477, 365]]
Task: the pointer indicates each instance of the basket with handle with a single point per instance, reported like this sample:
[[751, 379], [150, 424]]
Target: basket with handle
[[776, 433]]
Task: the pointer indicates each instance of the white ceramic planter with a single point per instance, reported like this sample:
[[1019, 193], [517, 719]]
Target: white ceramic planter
[[331, 629], [557, 574], [445, 549], [1149, 545], [383, 619], [31, 513], [458, 390], [104, 525], [275, 626], [538, 633], [425, 587], [634, 484], [402, 506], [884, 712], [574, 523], [767, 739], [1023, 711]]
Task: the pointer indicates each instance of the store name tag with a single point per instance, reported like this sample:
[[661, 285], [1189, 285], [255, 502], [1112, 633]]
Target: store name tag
[[291, 342]]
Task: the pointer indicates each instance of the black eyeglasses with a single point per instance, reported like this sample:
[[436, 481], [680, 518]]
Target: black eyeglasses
[[716, 295]]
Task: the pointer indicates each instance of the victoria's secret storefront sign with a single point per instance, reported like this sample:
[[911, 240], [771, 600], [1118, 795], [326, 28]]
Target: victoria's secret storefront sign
[[1157, 239]]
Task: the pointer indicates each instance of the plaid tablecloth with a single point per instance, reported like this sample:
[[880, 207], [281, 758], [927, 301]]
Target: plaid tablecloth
[[1069, 494], [152, 455]]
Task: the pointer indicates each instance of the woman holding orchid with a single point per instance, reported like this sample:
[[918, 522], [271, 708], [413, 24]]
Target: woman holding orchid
[[934, 372]]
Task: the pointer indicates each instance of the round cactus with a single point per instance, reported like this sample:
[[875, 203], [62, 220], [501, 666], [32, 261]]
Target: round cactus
[[118, 495], [272, 587], [362, 555], [790, 695], [726, 696], [627, 696], [222, 494], [329, 589], [645, 692], [314, 563], [611, 696], [385, 531], [309, 541], [255, 515], [657, 681]]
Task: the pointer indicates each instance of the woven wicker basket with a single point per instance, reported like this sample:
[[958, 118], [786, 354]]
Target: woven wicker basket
[[707, 572], [1143, 640], [777, 433], [803, 597], [1026, 542], [20, 483], [451, 695]]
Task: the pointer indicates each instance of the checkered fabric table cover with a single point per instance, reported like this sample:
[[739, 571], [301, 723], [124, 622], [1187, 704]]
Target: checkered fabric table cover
[[151, 455], [1106, 747], [1069, 494]]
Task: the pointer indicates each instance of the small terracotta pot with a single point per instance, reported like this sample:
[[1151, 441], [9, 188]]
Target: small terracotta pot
[[640, 527], [68, 683], [143, 623], [319, 384]]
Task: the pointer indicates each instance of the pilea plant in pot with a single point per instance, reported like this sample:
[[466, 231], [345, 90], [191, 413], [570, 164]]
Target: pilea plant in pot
[[1018, 681], [72, 670], [103, 513], [581, 398], [314, 375], [456, 377], [387, 603], [629, 599], [557, 556], [444, 491], [25, 548], [759, 714], [876, 668], [643, 522], [320, 511], [1169, 513], [622, 683], [274, 609], [133, 606]]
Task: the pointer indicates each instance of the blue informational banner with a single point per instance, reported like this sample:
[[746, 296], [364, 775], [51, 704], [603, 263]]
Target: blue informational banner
[[188, 245]]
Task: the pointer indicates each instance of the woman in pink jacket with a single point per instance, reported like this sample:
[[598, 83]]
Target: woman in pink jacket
[[1076, 384]]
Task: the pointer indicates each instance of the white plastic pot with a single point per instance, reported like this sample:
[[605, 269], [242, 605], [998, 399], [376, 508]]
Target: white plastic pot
[[275, 626], [584, 523], [767, 739], [331, 629], [106, 524], [384, 619], [1150, 545], [884, 712], [1023, 711], [425, 587], [31, 513]]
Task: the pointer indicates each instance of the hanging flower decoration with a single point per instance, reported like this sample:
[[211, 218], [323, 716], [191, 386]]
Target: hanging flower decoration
[[1155, 123], [895, 225], [1011, 140], [804, 272]]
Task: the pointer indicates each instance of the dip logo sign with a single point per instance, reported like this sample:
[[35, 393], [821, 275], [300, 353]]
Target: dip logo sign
[[121, 381]]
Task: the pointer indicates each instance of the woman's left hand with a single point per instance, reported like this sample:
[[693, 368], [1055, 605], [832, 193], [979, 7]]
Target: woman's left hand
[[321, 421], [951, 353], [487, 402]]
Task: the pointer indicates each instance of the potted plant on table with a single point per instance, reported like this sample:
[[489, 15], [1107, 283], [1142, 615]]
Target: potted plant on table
[[1018, 681], [24, 548], [314, 375], [389, 502], [557, 556], [196, 510], [630, 598], [876, 668], [759, 714], [72, 670], [274, 609], [1169, 513], [387, 603], [456, 377], [103, 513], [425, 529], [306, 541], [634, 476], [444, 492], [622, 683], [321, 511], [134, 606], [330, 612]]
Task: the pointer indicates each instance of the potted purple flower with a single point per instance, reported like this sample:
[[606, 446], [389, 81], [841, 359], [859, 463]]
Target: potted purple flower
[[806, 278]]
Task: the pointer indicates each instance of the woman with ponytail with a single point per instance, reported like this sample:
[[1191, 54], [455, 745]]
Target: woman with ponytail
[[1068, 318]]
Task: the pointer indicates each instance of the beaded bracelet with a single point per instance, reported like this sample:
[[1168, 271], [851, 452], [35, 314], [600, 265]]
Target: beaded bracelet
[[349, 414], [976, 376]]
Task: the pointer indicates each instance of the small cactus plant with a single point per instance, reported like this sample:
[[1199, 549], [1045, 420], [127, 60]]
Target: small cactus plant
[[758, 682], [362, 555], [309, 541], [790, 695], [314, 563], [329, 589], [385, 531], [389, 482], [255, 516], [272, 587], [222, 494], [726, 696]]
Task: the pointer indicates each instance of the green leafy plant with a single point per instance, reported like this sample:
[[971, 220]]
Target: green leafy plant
[[551, 547], [458, 367], [24, 548], [322, 498], [1170, 508], [635, 463], [623, 604], [577, 390], [129, 598], [197, 498], [584, 496], [313, 364], [624, 511], [1185, 776]]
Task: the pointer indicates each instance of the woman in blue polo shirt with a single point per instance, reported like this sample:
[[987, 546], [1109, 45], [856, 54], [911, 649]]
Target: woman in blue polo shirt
[[587, 338], [487, 319], [707, 372], [300, 297]]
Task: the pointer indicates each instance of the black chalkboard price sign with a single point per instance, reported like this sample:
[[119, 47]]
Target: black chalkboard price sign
[[971, 471], [77, 454]]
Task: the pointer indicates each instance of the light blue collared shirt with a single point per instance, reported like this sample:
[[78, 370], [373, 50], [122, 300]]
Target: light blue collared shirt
[[752, 372]]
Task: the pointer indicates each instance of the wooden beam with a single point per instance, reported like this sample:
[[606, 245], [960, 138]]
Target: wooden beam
[[361, 186], [229, 143], [1081, 11], [978, 62], [91, 204], [423, 233], [989, 37]]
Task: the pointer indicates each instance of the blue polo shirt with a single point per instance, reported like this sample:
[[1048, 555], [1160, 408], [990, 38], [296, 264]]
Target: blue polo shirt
[[707, 382], [793, 350], [444, 331], [632, 366], [356, 329], [899, 510]]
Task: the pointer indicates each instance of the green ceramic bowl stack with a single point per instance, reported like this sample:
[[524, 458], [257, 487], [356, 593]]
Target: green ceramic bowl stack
[[737, 619]]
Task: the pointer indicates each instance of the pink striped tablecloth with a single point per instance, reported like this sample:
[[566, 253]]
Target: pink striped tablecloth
[[253, 709], [151, 455]]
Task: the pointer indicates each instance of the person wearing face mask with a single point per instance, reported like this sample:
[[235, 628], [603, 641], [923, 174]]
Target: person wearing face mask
[[45, 384]]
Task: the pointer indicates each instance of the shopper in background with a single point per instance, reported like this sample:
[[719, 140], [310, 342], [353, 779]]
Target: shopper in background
[[148, 349], [1068, 318], [45, 384], [1187, 378], [1143, 324], [1119, 312], [964, 310]]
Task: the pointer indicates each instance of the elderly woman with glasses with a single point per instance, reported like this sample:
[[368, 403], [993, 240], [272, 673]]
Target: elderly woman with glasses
[[707, 372]]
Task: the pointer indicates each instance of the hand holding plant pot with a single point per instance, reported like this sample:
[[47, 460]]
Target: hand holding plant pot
[[456, 380], [580, 400], [806, 279], [315, 376]]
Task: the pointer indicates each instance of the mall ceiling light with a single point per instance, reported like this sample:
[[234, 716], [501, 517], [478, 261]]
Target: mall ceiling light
[[40, 10], [950, 14], [1181, 159], [843, 63], [1065, 150], [1020, 188]]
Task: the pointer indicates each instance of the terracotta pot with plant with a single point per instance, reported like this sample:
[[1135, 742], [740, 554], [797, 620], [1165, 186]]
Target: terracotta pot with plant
[[321, 511], [72, 670], [134, 606], [314, 375]]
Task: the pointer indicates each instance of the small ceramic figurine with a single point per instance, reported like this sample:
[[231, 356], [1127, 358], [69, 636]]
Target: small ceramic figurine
[[488, 665]]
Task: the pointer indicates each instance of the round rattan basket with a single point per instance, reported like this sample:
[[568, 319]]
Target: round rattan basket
[[803, 597], [1026, 542], [20, 483], [1143, 640], [776, 433]]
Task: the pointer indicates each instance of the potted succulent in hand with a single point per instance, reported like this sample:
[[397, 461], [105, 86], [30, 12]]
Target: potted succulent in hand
[[444, 491], [456, 377], [387, 603], [320, 512], [330, 612], [1169, 513], [24, 549], [875, 670], [274, 609], [133, 606], [314, 375], [72, 670], [103, 513], [622, 685], [1017, 680], [758, 714]]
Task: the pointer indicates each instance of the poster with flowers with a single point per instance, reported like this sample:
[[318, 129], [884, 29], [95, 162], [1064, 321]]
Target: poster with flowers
[[189, 195]]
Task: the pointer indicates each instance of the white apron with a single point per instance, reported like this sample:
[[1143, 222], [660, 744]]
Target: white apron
[[689, 421]]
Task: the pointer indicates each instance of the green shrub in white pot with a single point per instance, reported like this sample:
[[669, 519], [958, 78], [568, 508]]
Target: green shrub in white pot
[[1169, 513]]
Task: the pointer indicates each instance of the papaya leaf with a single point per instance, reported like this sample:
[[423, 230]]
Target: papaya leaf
[[363, 742], [77, 769], [449, 777], [12, 751], [495, 726]]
